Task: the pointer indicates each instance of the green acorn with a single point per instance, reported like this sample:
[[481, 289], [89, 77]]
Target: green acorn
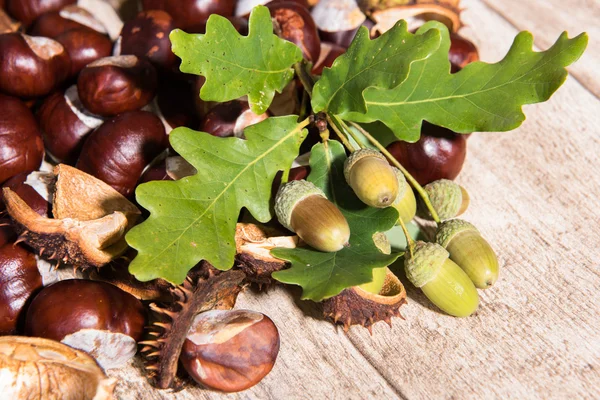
[[405, 203], [441, 280], [303, 208], [373, 180], [448, 198], [470, 251]]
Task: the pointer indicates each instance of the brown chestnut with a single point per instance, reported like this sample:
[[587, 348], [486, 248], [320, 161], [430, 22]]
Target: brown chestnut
[[19, 279], [438, 154], [64, 126], [462, 52], [93, 316], [179, 102], [21, 187], [21, 146], [230, 350], [27, 11], [147, 35], [113, 85], [54, 23], [297, 26], [339, 20], [230, 119], [329, 53], [121, 148], [84, 46], [31, 66], [191, 15]]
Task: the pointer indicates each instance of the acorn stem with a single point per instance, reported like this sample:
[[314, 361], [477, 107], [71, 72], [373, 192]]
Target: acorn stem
[[305, 78], [333, 123], [396, 164], [350, 132], [410, 243]]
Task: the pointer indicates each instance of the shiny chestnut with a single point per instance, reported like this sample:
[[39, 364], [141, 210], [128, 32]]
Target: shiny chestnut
[[230, 350], [438, 154], [113, 85], [121, 148], [54, 23], [191, 15], [297, 26], [21, 187], [89, 315], [230, 119], [27, 11], [19, 279], [462, 52], [31, 66], [21, 146], [84, 46]]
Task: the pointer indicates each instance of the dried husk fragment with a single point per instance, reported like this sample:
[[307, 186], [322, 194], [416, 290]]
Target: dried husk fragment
[[36, 368], [90, 224], [356, 306], [7, 24]]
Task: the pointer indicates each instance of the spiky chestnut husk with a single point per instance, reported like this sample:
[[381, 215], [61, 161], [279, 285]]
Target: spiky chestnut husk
[[168, 333], [304, 209], [405, 203], [441, 280], [448, 198], [470, 251], [356, 306], [373, 180]]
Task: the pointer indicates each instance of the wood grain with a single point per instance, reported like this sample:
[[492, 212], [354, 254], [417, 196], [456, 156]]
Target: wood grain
[[546, 19], [535, 197]]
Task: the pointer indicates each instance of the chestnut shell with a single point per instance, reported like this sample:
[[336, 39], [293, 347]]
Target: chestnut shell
[[119, 150], [19, 279], [71, 305], [21, 146], [298, 27]]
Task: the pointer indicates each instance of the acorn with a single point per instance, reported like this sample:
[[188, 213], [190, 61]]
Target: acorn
[[303, 208], [470, 251], [405, 203], [441, 280], [448, 198], [373, 180]]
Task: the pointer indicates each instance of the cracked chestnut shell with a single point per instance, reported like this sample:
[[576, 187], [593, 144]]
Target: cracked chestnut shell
[[33, 199], [438, 154], [27, 11], [230, 350], [21, 146], [31, 66], [119, 150], [114, 85], [191, 15], [19, 279]]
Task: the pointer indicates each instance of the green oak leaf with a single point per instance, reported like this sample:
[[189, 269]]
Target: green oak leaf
[[234, 65], [324, 275], [194, 218], [383, 63], [481, 97]]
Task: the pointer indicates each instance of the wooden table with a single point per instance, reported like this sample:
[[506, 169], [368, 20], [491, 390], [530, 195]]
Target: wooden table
[[535, 196]]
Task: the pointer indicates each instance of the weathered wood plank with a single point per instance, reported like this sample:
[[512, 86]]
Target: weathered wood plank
[[534, 196], [548, 18]]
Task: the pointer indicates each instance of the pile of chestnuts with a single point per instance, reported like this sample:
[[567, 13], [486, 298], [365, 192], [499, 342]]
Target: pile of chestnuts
[[80, 86]]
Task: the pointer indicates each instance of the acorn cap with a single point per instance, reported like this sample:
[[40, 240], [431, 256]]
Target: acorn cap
[[448, 229], [357, 156], [289, 195], [403, 186], [425, 263], [446, 197]]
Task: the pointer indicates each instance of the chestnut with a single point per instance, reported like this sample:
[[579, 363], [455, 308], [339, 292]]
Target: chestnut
[[156, 172], [84, 46], [21, 146], [27, 11], [329, 53], [438, 154], [19, 279], [121, 148], [191, 15], [19, 185], [462, 52], [113, 85], [54, 23], [64, 125], [230, 350], [93, 316], [31, 66], [147, 35], [338, 20], [230, 119], [297, 26]]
